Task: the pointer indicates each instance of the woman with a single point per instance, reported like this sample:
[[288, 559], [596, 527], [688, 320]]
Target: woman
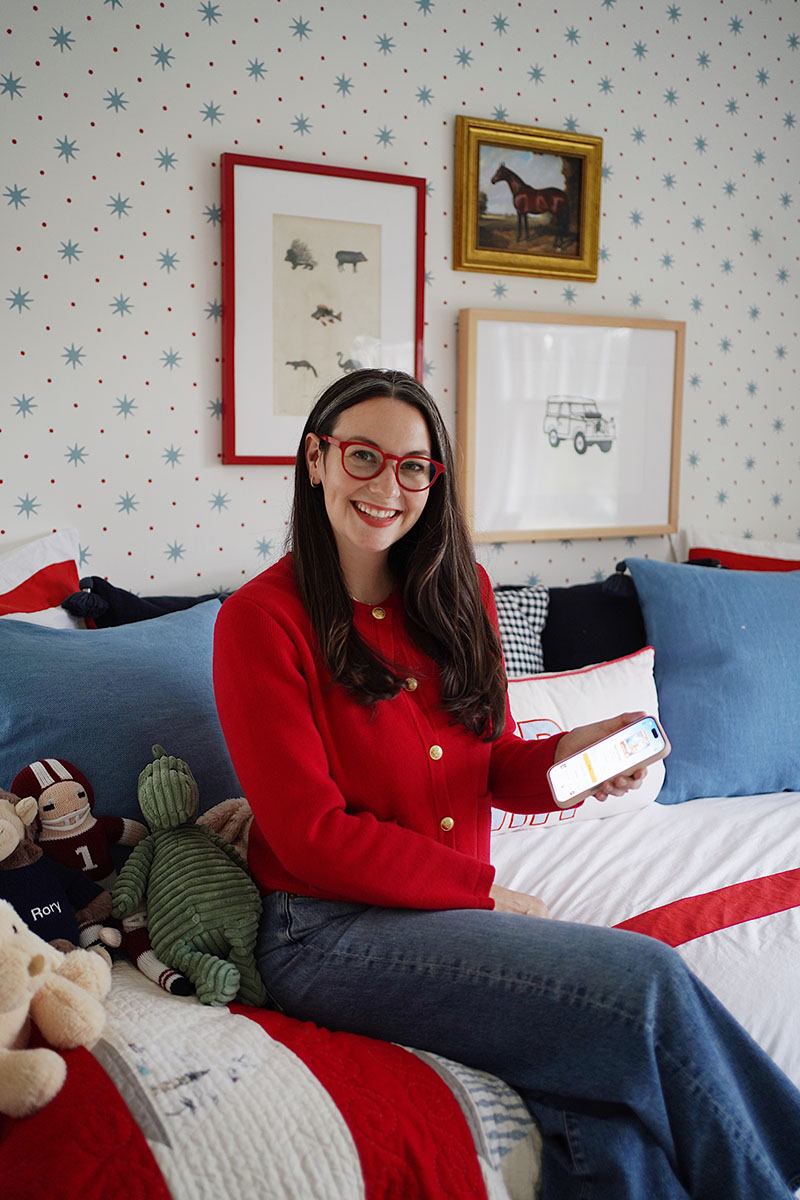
[[361, 690]]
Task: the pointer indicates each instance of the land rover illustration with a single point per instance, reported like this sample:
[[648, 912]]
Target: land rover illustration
[[578, 420]]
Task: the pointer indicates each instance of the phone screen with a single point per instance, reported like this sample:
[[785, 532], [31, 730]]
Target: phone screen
[[615, 755]]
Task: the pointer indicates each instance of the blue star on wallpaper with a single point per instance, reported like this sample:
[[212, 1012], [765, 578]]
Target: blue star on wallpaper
[[121, 208], [127, 503], [20, 300], [163, 56], [73, 355], [11, 86], [18, 196], [24, 405], [62, 38], [27, 505], [125, 405]]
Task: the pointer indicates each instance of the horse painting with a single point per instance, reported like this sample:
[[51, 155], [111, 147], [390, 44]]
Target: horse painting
[[528, 199]]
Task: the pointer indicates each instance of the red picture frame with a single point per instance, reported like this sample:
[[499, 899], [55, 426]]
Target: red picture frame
[[322, 272]]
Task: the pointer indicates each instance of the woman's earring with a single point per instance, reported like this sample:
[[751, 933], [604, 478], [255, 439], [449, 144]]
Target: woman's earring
[[314, 482]]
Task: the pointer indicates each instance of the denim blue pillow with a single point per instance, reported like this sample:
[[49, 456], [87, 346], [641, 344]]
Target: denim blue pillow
[[727, 647], [101, 698]]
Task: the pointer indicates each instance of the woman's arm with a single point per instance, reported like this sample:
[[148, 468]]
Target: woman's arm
[[266, 688]]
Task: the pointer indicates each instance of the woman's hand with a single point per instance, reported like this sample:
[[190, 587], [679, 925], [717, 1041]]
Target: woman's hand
[[517, 902], [584, 735]]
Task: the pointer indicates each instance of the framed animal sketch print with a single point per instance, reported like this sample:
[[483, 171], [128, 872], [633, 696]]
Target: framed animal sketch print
[[322, 273], [527, 200], [568, 426]]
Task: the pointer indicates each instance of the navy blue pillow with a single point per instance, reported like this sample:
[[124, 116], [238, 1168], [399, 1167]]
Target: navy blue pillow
[[592, 623], [101, 698], [727, 648]]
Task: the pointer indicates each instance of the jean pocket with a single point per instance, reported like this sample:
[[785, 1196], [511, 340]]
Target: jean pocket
[[308, 915]]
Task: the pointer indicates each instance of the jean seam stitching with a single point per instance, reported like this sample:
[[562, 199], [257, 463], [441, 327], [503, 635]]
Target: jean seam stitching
[[586, 1001]]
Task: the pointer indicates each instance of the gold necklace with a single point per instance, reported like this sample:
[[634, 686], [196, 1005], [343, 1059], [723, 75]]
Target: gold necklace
[[369, 603]]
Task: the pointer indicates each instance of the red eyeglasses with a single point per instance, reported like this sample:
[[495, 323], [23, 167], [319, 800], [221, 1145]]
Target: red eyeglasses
[[413, 472]]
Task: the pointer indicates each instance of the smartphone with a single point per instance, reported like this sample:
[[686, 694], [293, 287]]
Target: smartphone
[[580, 775]]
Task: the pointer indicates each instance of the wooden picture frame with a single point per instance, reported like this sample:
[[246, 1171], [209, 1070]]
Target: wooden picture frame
[[527, 200], [322, 272], [568, 426]]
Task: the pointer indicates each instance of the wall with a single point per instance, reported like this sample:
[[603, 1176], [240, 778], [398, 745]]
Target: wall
[[115, 114]]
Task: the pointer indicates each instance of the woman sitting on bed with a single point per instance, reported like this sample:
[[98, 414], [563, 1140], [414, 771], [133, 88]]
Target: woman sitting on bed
[[362, 693]]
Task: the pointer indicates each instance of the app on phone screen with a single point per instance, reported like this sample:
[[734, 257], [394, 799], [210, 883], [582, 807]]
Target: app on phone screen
[[615, 755]]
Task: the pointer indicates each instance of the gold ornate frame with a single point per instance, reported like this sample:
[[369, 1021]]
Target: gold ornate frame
[[576, 256]]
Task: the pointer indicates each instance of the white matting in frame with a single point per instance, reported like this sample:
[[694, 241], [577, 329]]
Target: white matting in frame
[[569, 426], [322, 274]]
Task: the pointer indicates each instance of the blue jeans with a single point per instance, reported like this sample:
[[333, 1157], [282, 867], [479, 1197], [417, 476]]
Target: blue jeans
[[644, 1086]]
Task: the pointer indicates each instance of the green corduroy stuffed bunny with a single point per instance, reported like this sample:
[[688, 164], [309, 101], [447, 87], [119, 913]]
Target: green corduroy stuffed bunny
[[203, 908]]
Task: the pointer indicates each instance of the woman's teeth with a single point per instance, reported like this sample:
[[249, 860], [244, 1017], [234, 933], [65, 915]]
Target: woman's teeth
[[378, 513]]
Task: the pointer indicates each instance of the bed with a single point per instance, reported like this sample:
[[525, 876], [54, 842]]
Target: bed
[[185, 1101]]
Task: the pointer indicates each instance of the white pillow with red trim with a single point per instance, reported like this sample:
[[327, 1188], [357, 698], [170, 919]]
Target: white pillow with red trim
[[737, 553], [553, 703], [36, 577]]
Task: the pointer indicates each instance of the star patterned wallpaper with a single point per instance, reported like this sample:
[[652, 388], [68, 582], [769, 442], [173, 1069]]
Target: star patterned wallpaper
[[114, 116]]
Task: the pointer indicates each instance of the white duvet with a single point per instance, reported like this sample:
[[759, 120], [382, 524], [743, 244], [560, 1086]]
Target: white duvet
[[733, 856]]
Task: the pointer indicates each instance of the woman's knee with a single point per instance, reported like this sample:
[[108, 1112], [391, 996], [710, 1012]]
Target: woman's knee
[[643, 971]]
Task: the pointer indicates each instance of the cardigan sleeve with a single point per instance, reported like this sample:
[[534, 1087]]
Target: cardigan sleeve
[[264, 690]]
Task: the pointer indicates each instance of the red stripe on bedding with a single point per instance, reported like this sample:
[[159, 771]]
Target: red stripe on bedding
[[83, 1145], [745, 562], [694, 916], [408, 1128]]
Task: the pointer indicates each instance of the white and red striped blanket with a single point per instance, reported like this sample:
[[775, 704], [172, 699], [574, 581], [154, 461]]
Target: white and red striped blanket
[[717, 878], [187, 1102]]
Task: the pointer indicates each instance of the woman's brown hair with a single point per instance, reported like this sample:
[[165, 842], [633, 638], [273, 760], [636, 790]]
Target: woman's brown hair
[[433, 564]]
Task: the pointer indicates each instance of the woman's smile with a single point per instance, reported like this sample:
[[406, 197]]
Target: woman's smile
[[378, 517]]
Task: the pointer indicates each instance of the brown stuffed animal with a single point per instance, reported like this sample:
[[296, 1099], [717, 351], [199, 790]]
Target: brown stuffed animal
[[61, 993], [231, 820]]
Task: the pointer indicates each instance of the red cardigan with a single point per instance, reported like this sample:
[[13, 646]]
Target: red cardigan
[[386, 804]]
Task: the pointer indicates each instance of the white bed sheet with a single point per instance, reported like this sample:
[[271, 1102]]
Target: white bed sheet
[[608, 871]]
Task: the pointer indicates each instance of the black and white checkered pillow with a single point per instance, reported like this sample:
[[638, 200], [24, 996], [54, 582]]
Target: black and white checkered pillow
[[521, 614]]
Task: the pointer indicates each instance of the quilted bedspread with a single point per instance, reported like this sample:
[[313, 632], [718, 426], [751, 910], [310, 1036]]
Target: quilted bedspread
[[185, 1101]]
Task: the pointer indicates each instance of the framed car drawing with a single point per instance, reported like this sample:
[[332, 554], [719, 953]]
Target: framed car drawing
[[568, 426]]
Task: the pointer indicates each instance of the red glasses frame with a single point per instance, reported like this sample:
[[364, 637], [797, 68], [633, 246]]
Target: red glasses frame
[[398, 459]]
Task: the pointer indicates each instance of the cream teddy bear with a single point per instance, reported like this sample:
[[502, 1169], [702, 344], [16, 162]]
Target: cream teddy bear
[[62, 993]]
